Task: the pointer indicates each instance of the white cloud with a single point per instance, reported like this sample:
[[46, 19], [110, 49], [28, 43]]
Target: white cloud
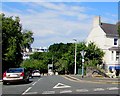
[[58, 22], [49, 26]]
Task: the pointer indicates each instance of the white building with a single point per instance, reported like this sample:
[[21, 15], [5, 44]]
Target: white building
[[41, 49], [28, 52], [105, 36]]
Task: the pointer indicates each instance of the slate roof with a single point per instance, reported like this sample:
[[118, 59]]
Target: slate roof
[[109, 29]]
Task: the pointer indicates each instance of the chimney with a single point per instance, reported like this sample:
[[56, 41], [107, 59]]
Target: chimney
[[96, 21]]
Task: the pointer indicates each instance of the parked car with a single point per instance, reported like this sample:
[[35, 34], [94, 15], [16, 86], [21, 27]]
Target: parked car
[[15, 75], [36, 73]]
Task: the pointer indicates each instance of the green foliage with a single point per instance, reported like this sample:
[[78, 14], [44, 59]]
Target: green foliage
[[13, 40], [93, 56], [38, 60], [62, 56], [27, 38], [34, 64]]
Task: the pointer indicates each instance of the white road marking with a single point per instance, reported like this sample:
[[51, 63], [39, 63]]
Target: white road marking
[[48, 92], [113, 88], [60, 85], [66, 91], [81, 90], [34, 83], [31, 93], [39, 79], [26, 91], [99, 89]]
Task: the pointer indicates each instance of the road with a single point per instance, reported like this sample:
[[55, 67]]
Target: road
[[57, 84]]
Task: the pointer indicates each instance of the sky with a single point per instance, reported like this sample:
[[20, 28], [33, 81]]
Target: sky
[[56, 22]]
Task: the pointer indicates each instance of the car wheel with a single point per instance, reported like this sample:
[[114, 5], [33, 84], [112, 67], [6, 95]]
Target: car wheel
[[27, 80], [4, 83]]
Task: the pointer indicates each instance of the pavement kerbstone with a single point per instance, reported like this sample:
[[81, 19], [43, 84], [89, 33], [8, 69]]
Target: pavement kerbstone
[[96, 79]]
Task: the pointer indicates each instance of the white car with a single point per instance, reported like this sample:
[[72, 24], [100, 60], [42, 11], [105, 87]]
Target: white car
[[36, 73], [15, 75]]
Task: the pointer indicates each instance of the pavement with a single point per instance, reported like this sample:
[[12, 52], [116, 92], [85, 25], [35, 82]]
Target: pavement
[[94, 79]]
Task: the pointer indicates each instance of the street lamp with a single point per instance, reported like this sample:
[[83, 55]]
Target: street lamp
[[75, 55], [52, 62], [82, 53]]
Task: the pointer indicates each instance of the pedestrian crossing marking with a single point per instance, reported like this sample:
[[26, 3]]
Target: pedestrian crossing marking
[[48, 92], [66, 91], [60, 85], [81, 90], [78, 90], [99, 89], [113, 88]]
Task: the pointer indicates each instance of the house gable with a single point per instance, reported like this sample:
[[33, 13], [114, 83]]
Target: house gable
[[97, 34]]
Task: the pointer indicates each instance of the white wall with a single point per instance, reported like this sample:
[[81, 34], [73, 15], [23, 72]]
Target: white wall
[[109, 42], [97, 35]]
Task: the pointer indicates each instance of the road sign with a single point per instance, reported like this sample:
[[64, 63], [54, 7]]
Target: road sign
[[50, 65], [82, 53], [83, 60], [60, 85]]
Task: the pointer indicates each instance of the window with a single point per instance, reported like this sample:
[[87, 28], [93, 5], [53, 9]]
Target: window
[[115, 41], [117, 55]]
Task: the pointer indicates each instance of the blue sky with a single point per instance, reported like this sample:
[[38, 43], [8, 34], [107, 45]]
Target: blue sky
[[55, 22]]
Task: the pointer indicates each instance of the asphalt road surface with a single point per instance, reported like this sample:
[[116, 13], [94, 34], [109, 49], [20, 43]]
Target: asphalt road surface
[[57, 84]]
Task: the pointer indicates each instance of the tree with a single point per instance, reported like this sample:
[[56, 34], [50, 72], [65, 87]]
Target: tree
[[11, 41], [34, 64], [93, 55], [27, 39], [38, 60], [62, 57]]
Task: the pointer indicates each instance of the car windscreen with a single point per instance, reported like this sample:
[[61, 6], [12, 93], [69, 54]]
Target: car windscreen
[[15, 70]]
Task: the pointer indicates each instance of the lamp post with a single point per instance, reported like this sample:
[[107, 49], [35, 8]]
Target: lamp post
[[82, 53], [75, 55], [52, 62]]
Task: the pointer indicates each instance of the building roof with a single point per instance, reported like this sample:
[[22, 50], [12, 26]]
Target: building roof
[[109, 29]]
